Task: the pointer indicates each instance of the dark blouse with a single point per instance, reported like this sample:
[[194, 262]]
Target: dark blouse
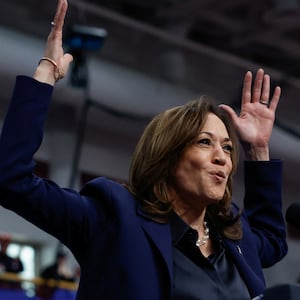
[[197, 277]]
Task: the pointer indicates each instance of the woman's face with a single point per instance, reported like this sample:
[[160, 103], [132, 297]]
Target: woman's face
[[202, 171]]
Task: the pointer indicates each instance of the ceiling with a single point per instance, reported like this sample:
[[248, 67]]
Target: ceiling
[[202, 46]]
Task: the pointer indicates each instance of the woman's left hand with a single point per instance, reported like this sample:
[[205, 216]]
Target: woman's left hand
[[255, 123]]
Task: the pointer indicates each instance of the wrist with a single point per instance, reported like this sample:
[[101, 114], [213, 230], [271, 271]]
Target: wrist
[[256, 153], [45, 73]]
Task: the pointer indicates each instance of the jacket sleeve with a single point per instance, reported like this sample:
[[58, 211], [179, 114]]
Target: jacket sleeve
[[63, 213], [263, 209]]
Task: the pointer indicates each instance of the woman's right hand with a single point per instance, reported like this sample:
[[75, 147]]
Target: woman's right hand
[[47, 71]]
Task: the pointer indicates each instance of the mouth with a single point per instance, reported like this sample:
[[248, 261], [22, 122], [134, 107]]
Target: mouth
[[220, 176]]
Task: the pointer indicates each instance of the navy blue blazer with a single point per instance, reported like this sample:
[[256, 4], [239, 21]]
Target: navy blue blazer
[[123, 254]]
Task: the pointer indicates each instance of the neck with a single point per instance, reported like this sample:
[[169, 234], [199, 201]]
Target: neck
[[193, 218]]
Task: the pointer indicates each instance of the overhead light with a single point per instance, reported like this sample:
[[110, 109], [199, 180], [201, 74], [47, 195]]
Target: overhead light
[[86, 38], [79, 40]]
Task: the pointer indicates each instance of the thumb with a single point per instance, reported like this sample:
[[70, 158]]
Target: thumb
[[231, 113], [67, 59]]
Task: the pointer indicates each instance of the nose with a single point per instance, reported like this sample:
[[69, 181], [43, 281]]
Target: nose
[[219, 156]]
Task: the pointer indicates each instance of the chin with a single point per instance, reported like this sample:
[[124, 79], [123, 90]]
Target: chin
[[217, 198]]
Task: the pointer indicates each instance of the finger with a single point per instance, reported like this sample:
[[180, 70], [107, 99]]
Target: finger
[[246, 93], [265, 94], [59, 18], [66, 60], [257, 87], [68, 57], [275, 99]]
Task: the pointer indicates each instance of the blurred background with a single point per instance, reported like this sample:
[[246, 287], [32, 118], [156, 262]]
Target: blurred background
[[133, 59]]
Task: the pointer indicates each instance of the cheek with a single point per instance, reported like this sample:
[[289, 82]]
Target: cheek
[[185, 169], [229, 172], [229, 165], [190, 166]]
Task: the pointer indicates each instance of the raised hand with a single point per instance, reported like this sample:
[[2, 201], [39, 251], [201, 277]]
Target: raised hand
[[55, 63], [255, 123]]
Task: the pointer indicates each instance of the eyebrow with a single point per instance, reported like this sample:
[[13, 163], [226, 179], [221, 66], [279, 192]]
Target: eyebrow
[[225, 139]]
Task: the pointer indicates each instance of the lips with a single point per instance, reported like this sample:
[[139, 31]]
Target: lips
[[219, 175]]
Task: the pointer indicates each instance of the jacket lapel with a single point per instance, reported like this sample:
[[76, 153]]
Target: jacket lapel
[[252, 280], [160, 235]]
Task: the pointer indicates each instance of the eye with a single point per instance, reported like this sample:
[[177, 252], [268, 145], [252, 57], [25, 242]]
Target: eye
[[228, 148], [204, 141]]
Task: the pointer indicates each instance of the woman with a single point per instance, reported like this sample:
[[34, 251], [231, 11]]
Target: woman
[[173, 232]]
